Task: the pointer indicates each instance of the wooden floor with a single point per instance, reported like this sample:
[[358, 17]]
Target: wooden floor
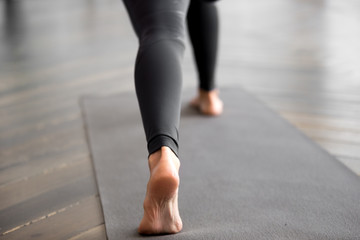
[[299, 57]]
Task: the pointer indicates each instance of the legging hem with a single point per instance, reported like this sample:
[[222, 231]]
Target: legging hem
[[160, 141]]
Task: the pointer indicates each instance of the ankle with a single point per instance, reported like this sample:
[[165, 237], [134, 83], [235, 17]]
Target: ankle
[[164, 153], [207, 93]]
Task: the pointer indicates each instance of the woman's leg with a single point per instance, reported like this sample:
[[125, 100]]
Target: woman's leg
[[203, 25], [160, 27]]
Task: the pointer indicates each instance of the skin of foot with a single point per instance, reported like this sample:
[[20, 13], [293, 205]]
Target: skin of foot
[[208, 102], [161, 213]]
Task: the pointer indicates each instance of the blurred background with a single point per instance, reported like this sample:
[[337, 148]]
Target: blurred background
[[300, 57]]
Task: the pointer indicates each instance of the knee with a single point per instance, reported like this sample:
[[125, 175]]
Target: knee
[[163, 26]]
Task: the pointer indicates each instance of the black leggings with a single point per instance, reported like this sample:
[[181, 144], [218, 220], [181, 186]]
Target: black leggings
[[160, 28]]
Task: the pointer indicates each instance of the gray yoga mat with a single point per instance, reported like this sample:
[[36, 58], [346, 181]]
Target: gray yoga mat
[[245, 175]]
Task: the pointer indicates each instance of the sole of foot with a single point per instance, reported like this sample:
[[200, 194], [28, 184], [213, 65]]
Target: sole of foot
[[208, 103], [161, 213]]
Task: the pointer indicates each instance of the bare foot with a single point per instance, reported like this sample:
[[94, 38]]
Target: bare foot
[[161, 213], [208, 102]]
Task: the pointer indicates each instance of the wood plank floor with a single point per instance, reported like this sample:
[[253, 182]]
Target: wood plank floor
[[298, 57]]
